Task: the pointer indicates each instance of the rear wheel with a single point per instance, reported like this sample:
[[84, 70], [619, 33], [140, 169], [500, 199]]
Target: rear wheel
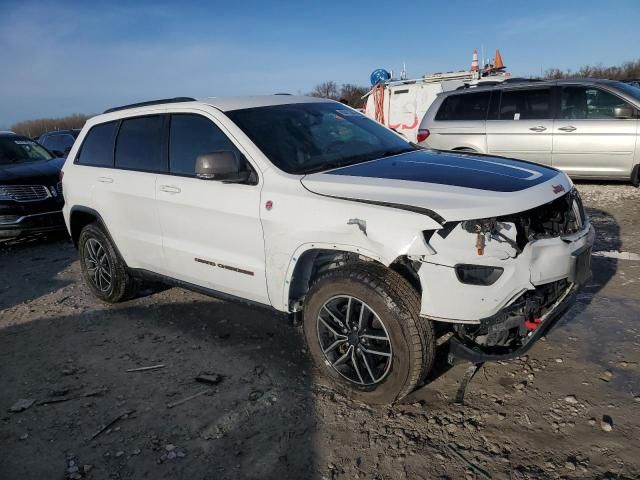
[[103, 269], [363, 330]]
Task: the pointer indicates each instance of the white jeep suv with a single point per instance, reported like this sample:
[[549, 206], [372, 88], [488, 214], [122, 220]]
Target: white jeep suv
[[306, 206]]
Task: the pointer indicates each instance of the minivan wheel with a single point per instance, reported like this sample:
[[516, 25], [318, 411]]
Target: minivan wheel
[[635, 176], [103, 269], [363, 331]]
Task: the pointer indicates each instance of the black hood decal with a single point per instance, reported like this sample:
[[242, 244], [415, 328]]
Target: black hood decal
[[482, 172]]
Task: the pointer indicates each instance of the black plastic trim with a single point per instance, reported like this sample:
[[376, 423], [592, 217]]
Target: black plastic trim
[[409, 208], [103, 225], [157, 277]]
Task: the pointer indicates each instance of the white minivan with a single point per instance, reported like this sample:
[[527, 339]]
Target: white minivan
[[587, 128]]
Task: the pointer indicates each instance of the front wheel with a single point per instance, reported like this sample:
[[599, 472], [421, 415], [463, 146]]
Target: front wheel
[[363, 330]]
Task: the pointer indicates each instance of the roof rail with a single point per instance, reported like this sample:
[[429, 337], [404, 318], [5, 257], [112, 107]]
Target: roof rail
[[151, 102]]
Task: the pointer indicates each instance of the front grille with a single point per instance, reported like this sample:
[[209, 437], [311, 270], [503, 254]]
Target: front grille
[[24, 193], [563, 216]]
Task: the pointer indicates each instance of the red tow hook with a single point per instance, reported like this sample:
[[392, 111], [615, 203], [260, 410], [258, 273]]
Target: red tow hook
[[532, 324]]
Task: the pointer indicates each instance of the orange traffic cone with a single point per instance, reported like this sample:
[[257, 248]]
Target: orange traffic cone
[[498, 61], [474, 61]]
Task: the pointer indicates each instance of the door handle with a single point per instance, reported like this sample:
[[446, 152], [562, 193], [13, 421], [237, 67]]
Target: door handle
[[569, 128], [169, 189], [539, 128], [105, 179]]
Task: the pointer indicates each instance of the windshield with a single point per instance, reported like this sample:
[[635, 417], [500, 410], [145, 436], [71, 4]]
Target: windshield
[[20, 150], [631, 90], [303, 138]]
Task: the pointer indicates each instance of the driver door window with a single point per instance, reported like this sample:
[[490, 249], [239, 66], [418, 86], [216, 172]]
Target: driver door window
[[582, 103]]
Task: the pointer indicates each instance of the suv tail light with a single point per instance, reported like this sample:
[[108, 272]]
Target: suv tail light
[[423, 134]]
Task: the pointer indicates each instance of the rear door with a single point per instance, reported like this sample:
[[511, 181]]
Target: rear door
[[124, 192], [212, 234], [522, 125], [588, 140]]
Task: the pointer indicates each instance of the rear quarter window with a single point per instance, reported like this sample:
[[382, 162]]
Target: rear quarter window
[[464, 106], [97, 148]]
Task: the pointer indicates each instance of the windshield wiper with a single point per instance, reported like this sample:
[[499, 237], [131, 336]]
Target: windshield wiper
[[391, 153]]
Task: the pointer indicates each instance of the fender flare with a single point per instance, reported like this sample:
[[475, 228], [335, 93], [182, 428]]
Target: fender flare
[[103, 225], [306, 247]]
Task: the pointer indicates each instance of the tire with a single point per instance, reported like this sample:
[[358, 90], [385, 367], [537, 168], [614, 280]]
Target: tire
[[635, 176], [391, 308], [110, 281]]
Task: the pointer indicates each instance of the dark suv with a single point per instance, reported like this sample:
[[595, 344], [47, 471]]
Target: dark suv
[[59, 142], [30, 189]]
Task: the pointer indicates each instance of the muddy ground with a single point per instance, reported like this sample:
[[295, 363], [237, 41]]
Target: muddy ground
[[570, 409]]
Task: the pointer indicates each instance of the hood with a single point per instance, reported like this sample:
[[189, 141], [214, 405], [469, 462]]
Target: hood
[[45, 172], [455, 186]]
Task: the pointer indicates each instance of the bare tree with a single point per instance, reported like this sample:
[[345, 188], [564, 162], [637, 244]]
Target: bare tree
[[627, 70], [352, 94], [35, 128], [328, 89]]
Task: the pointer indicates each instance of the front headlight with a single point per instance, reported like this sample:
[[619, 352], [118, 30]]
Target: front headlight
[[478, 274]]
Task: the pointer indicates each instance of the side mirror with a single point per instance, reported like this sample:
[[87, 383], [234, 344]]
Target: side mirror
[[224, 165], [58, 153], [624, 111]]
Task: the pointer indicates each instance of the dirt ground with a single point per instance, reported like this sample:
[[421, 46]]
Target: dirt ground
[[570, 409]]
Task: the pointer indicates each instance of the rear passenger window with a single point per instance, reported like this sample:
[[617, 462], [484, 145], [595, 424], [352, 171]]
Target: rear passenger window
[[139, 144], [465, 106], [191, 136], [97, 148], [525, 104]]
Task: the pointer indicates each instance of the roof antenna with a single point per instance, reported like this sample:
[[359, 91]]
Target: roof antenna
[[403, 74]]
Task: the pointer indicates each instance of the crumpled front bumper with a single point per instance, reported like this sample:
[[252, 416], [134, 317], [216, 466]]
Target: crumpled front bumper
[[458, 350], [445, 298]]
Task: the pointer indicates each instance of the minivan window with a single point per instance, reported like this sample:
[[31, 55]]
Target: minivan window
[[582, 103], [531, 104], [465, 106], [97, 148], [139, 144], [190, 136]]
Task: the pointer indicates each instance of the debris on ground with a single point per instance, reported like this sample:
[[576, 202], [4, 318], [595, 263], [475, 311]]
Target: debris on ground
[[21, 405], [145, 369], [186, 399]]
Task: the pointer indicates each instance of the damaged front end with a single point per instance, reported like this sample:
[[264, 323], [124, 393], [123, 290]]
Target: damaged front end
[[516, 275], [511, 332]]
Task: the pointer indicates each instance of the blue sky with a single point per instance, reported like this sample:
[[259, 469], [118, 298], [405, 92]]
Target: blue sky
[[82, 57]]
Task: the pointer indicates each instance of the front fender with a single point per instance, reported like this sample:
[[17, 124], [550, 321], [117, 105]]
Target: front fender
[[300, 220]]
